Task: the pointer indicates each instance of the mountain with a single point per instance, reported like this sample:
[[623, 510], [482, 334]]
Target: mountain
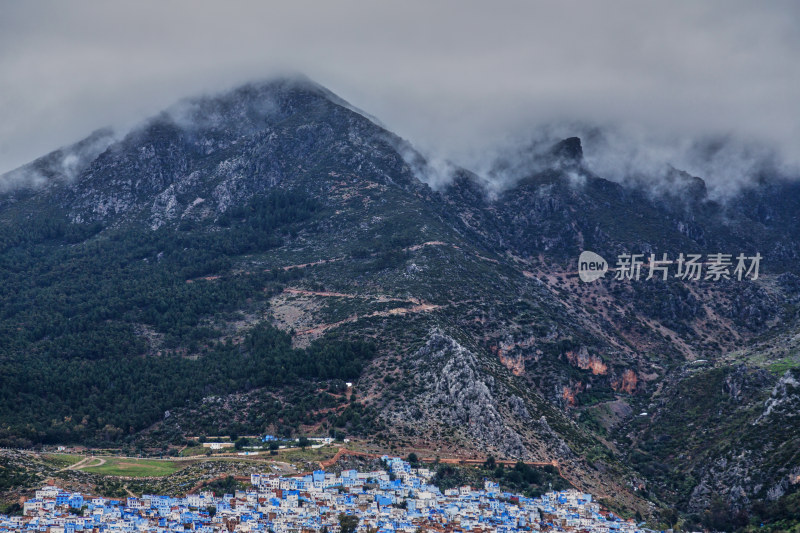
[[228, 265]]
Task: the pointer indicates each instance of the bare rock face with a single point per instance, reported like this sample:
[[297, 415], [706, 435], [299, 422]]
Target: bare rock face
[[785, 398], [725, 474], [224, 150], [518, 408], [458, 394], [527, 360]]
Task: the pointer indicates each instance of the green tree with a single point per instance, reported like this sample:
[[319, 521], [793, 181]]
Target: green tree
[[347, 523], [670, 517]]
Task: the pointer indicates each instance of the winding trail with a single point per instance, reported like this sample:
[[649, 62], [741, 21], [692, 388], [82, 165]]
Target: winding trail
[[85, 463], [76, 466], [377, 298], [397, 311]]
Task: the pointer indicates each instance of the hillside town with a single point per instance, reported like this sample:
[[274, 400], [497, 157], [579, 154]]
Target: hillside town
[[398, 498]]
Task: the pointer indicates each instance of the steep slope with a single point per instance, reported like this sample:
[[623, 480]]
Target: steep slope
[[166, 260], [644, 332], [228, 265]]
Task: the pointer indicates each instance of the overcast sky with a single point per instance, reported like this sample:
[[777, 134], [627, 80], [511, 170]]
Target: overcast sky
[[453, 77]]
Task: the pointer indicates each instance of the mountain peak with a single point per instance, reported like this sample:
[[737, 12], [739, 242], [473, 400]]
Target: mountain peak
[[568, 151], [223, 150], [248, 108]]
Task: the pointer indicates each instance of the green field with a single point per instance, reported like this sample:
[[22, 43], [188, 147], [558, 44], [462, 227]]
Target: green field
[[781, 366], [193, 451], [120, 466]]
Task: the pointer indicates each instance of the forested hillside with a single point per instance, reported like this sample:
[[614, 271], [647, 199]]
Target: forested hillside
[[229, 264]]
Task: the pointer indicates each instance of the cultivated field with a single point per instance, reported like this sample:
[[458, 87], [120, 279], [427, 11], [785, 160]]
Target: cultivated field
[[122, 466]]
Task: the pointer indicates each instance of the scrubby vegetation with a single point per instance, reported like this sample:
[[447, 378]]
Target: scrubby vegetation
[[532, 481], [74, 328]]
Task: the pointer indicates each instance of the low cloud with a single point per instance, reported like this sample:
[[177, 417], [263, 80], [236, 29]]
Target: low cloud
[[459, 79], [62, 165]]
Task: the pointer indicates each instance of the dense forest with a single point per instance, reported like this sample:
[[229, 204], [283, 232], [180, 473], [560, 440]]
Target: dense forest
[[75, 363]]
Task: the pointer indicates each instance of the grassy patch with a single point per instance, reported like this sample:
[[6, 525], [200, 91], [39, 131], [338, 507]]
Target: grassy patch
[[193, 451], [119, 466], [779, 367], [309, 455]]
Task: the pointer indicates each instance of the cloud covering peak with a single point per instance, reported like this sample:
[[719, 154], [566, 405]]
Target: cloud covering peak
[[456, 78]]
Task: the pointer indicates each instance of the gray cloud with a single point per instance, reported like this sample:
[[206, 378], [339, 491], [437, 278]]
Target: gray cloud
[[456, 78]]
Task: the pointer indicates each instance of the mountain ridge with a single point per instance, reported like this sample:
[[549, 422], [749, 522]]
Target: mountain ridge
[[275, 228]]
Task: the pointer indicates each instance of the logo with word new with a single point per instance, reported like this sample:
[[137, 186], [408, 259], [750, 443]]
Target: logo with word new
[[591, 266], [686, 267]]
